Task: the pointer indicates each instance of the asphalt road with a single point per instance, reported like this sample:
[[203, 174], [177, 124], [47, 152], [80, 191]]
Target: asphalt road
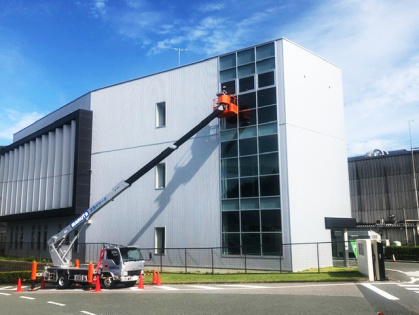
[[338, 298]]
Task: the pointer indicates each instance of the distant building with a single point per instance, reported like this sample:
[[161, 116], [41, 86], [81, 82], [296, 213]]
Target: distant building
[[383, 197], [246, 184]]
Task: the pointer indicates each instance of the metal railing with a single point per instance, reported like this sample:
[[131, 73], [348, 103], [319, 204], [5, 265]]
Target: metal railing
[[311, 257]]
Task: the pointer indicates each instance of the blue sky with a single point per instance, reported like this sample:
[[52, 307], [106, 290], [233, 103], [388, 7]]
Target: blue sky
[[53, 51]]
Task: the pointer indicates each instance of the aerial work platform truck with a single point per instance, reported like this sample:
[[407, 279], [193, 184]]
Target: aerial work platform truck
[[117, 264]]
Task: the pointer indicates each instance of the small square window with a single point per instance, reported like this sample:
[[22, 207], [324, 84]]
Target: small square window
[[161, 176], [161, 114]]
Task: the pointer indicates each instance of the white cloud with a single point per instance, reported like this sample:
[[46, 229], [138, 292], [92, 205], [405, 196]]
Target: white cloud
[[17, 121], [210, 7], [375, 44]]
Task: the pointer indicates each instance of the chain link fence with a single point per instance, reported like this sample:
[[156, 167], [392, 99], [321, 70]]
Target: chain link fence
[[314, 257]]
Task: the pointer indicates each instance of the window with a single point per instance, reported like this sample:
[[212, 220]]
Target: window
[[21, 237], [38, 238], [45, 236], [159, 240], [161, 176], [161, 114], [11, 237]]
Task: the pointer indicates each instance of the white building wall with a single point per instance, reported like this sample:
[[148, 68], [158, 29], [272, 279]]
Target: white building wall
[[314, 172], [125, 138]]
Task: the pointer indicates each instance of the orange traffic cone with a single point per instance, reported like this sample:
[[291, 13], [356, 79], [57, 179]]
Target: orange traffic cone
[[97, 288], [19, 286], [154, 277], [43, 283], [141, 284], [394, 258], [158, 283]]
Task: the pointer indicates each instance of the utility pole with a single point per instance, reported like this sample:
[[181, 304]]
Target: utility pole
[[178, 50]]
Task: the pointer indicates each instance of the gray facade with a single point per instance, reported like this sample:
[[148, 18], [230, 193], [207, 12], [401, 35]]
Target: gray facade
[[383, 194]]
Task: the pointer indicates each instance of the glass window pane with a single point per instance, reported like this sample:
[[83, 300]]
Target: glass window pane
[[266, 114], [270, 203], [250, 221], [227, 75], [266, 97], [271, 220], [247, 118], [228, 135], [249, 204], [268, 164], [246, 70], [265, 65], [265, 51], [267, 129], [245, 133], [230, 87], [228, 149], [231, 243], [272, 244], [245, 56], [228, 61], [231, 221], [249, 187], [249, 166], [247, 101], [269, 185], [248, 146], [251, 243], [266, 79], [268, 144], [228, 205], [229, 168], [230, 188], [228, 123], [247, 84]]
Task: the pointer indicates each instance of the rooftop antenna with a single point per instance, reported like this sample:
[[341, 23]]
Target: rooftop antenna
[[178, 50]]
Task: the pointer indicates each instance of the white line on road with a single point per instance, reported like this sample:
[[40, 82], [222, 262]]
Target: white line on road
[[27, 297], [1, 293], [55, 303], [409, 285], [88, 313], [245, 286], [6, 288], [204, 287], [380, 292], [164, 287]]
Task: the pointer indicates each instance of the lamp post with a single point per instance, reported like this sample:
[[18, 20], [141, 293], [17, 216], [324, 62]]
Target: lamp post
[[414, 171]]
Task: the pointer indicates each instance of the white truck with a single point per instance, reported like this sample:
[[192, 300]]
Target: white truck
[[117, 264]]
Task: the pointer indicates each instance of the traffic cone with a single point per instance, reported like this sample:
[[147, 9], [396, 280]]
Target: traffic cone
[[154, 277], [97, 288], [394, 258], [158, 283], [19, 286], [141, 284], [43, 283]]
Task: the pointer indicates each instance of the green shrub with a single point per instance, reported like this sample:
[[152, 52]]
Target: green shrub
[[12, 277], [402, 252]]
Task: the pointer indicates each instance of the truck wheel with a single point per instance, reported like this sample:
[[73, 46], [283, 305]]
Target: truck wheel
[[129, 284], [109, 283], [63, 282]]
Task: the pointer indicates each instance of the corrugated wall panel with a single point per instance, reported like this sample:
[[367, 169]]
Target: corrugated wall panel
[[50, 171]]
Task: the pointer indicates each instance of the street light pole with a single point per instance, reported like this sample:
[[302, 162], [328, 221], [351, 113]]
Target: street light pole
[[414, 170]]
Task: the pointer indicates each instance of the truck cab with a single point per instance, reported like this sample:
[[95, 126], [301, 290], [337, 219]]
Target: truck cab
[[121, 264]]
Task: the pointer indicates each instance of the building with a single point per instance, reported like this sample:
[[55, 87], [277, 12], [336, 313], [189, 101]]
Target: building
[[384, 196], [252, 183]]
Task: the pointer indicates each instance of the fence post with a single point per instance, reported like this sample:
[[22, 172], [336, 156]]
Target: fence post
[[161, 262], [245, 259], [280, 264], [318, 258], [212, 260], [186, 263]]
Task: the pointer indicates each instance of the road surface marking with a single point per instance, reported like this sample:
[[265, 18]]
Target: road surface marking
[[27, 297], [6, 288], [204, 287], [86, 312], [380, 292], [1, 293], [245, 286], [409, 285], [164, 287], [55, 303]]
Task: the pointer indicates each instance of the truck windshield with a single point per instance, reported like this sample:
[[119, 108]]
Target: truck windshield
[[131, 254]]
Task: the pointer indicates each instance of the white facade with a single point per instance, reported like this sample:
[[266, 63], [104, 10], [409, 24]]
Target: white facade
[[312, 156]]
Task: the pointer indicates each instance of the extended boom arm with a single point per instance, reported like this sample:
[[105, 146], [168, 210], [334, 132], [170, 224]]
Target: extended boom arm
[[61, 253]]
